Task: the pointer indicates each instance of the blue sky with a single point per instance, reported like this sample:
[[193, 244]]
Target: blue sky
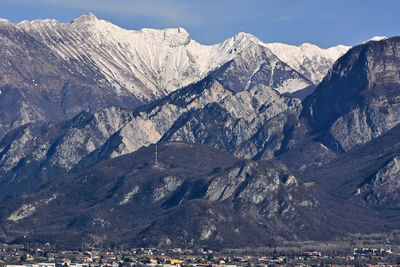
[[322, 22]]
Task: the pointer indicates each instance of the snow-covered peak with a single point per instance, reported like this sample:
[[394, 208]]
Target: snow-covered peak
[[170, 36], [378, 38], [153, 62], [375, 39], [236, 44], [242, 40], [39, 23], [87, 18], [248, 37], [308, 59], [168, 32], [306, 50], [308, 46], [148, 62]]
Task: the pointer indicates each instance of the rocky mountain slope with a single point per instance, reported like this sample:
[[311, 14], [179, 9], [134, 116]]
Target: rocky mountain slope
[[33, 154], [255, 124], [360, 187], [359, 98], [52, 71], [257, 64], [193, 196], [94, 176], [205, 112], [353, 130]]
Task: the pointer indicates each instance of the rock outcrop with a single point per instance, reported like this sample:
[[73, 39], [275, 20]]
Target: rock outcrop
[[359, 98]]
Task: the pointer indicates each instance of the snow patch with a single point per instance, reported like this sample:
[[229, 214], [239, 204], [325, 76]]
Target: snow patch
[[291, 180], [375, 39]]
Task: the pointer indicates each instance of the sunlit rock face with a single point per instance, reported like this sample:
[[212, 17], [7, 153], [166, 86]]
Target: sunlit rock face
[[383, 188], [359, 99]]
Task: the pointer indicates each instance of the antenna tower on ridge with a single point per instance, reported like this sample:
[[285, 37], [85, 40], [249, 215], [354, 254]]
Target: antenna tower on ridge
[[156, 155]]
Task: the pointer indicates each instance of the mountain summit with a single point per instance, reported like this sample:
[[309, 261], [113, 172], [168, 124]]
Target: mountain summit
[[53, 71]]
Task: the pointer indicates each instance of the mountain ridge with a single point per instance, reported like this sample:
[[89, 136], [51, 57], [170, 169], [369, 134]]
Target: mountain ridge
[[53, 70], [257, 202]]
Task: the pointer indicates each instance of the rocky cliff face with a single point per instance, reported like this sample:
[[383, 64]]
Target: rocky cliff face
[[383, 187], [358, 188], [231, 124], [33, 154], [359, 98], [266, 192]]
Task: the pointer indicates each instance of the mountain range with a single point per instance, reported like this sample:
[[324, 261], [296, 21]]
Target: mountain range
[[52, 71], [161, 141]]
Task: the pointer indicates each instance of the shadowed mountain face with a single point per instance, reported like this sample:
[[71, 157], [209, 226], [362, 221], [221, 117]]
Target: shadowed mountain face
[[360, 187], [207, 196]]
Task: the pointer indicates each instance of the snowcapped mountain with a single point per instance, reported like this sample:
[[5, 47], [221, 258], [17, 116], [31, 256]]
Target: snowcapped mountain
[[52, 71], [162, 60], [258, 65], [310, 60], [376, 38], [148, 63]]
